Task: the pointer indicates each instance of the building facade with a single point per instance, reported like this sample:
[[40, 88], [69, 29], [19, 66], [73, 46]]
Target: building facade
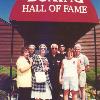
[[87, 42], [88, 46], [5, 44]]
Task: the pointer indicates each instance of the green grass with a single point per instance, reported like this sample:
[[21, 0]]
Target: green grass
[[6, 71]]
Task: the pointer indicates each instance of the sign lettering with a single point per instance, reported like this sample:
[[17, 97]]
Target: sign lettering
[[65, 6]]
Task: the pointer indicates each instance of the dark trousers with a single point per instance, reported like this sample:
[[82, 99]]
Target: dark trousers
[[24, 93], [56, 93]]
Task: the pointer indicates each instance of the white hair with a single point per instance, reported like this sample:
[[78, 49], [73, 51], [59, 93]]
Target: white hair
[[31, 46], [77, 46], [42, 45], [54, 45]]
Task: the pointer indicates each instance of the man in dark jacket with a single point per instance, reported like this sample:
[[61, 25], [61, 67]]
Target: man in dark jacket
[[54, 64]]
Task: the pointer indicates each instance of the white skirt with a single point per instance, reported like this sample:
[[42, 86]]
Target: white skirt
[[42, 95]]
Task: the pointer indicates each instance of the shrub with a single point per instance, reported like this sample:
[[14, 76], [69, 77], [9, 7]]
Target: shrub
[[5, 80], [91, 76], [4, 70], [91, 84]]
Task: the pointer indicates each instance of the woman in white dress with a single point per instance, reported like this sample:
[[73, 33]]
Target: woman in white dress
[[41, 90], [69, 75]]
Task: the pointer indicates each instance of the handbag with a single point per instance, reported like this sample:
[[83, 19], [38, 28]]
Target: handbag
[[40, 77]]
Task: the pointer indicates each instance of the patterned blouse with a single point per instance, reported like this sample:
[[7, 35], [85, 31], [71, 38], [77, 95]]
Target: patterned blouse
[[39, 64]]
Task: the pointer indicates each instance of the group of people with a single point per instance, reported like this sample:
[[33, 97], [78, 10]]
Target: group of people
[[44, 75]]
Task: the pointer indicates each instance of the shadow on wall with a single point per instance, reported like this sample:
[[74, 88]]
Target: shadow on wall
[[51, 32]]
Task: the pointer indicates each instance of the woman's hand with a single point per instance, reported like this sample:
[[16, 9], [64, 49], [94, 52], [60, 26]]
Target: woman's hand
[[46, 68], [61, 81], [31, 60]]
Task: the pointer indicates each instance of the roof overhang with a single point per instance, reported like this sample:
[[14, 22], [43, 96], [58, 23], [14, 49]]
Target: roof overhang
[[54, 11]]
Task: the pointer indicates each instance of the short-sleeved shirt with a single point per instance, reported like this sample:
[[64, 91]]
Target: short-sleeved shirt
[[84, 61], [24, 79], [70, 67]]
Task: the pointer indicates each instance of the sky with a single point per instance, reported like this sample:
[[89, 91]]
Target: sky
[[6, 6]]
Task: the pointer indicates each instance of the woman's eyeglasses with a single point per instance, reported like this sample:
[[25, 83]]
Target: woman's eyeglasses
[[54, 48], [42, 48]]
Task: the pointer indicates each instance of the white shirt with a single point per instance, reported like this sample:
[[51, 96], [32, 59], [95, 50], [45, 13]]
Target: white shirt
[[70, 67], [83, 61]]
